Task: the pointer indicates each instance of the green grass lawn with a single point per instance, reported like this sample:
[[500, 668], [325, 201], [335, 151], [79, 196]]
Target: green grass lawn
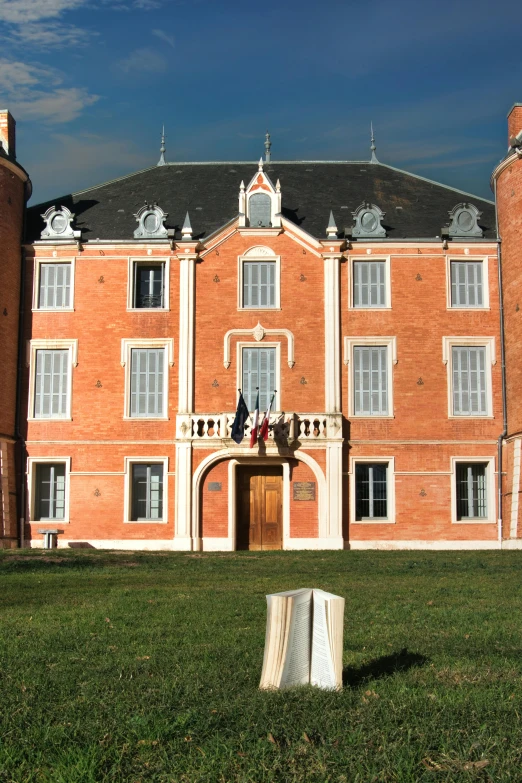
[[145, 667]]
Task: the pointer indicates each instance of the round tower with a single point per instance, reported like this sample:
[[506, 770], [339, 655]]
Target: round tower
[[507, 182], [15, 189]]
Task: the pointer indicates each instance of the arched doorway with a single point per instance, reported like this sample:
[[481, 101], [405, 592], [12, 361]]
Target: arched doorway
[[259, 512]]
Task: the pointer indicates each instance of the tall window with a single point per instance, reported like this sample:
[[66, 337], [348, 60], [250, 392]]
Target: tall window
[[466, 284], [147, 492], [260, 210], [471, 491], [370, 380], [371, 491], [259, 371], [55, 286], [147, 382], [469, 381], [50, 491], [51, 384], [369, 284], [149, 285], [259, 281]]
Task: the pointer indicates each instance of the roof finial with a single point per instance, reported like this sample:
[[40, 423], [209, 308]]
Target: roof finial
[[268, 146], [186, 231], [162, 161], [260, 165], [331, 231], [372, 145]]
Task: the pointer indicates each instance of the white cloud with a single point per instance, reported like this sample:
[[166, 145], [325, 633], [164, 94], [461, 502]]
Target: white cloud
[[145, 60], [164, 37], [26, 11], [37, 93], [46, 36]]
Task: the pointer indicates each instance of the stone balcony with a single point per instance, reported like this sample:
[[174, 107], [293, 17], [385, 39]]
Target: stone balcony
[[285, 429]]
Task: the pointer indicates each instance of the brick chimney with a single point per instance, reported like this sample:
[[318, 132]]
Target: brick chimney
[[514, 121], [8, 133]]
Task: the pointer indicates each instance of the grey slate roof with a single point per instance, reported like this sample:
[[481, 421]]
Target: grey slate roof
[[414, 207]]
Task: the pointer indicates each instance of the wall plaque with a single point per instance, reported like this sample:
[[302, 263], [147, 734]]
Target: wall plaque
[[214, 486], [304, 490]]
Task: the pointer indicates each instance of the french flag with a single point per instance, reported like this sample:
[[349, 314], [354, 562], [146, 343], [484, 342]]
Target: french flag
[[263, 432], [254, 432]]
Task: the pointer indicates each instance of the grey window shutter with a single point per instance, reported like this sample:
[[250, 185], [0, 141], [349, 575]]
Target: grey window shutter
[[369, 284], [55, 286], [147, 378], [260, 209], [466, 284], [469, 381], [370, 380], [259, 370], [259, 284], [51, 384]]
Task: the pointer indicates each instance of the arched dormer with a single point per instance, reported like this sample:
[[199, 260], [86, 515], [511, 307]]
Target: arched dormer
[[260, 202]]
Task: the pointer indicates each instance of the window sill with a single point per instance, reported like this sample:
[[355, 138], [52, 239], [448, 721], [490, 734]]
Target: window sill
[[356, 417], [50, 522], [463, 417], [379, 308], [470, 307], [52, 309], [145, 521], [474, 521], [148, 309], [372, 522], [49, 418], [263, 309], [146, 418]]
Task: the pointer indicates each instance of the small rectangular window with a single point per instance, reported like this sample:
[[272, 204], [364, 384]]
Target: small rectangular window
[[259, 371], [147, 380], [469, 381], [466, 284], [370, 380], [371, 491], [51, 384], [147, 493], [55, 286], [472, 501], [369, 284], [259, 284], [50, 491], [149, 285]]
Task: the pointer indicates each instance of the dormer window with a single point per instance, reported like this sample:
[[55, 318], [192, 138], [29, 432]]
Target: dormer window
[[260, 207]]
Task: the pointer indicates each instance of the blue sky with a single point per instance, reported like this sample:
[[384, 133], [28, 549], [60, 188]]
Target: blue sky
[[90, 83]]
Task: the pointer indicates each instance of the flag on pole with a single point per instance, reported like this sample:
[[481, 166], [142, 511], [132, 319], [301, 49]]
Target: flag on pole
[[238, 428], [263, 432], [254, 432]]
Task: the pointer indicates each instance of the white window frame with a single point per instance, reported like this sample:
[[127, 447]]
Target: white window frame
[[32, 462], [277, 406], [50, 345], [127, 506], [391, 344], [485, 281], [387, 282], [259, 255], [148, 261], [126, 347], [490, 489], [448, 343], [36, 284], [390, 489]]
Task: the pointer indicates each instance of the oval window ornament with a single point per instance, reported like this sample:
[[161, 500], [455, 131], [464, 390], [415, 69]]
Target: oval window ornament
[[464, 219], [151, 222], [58, 225], [368, 219]]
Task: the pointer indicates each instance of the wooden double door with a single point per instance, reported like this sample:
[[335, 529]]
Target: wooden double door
[[259, 508]]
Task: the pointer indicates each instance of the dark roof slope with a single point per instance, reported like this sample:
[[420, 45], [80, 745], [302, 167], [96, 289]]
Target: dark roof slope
[[414, 207]]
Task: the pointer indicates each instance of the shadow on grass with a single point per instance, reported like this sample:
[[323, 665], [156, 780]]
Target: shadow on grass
[[385, 666]]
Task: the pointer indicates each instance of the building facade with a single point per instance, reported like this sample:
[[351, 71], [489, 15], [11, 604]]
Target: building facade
[[360, 303]]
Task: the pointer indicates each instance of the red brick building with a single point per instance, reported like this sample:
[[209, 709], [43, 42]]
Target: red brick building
[[363, 300]]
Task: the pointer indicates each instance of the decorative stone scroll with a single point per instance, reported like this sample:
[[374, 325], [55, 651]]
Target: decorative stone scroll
[[58, 225], [151, 223], [368, 219], [258, 333], [464, 221]]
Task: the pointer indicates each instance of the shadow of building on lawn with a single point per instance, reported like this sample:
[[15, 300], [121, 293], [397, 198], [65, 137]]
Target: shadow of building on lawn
[[385, 666]]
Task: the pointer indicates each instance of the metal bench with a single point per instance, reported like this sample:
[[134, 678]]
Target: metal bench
[[50, 537]]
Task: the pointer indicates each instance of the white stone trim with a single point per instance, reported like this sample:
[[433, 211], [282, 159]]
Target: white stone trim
[[391, 344], [4, 489], [390, 488], [258, 333], [332, 339], [187, 272], [490, 489], [485, 281], [127, 344], [469, 341], [259, 253], [125, 544], [32, 346], [36, 283], [278, 405], [387, 276], [515, 489], [148, 261], [315, 543], [428, 545], [31, 489], [183, 497], [128, 462]]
